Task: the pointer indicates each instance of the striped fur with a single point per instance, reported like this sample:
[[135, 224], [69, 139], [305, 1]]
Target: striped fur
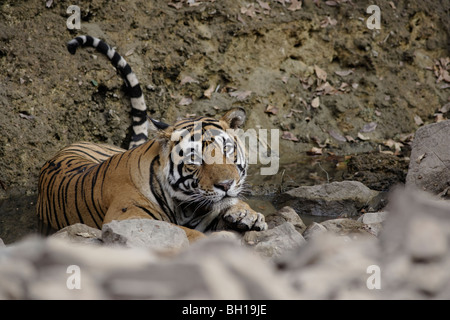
[[167, 178], [138, 106]]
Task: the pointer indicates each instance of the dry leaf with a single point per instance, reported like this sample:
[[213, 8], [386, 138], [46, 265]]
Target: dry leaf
[[445, 108], [188, 79], [289, 136], [315, 103], [344, 73], [263, 5], [185, 101], [420, 158], [337, 136], [391, 3], [129, 52], [418, 120], [295, 5], [362, 137], [240, 95], [369, 127], [321, 74], [331, 3], [326, 88], [176, 5], [439, 117], [315, 152], [350, 139], [249, 10], [271, 109], [285, 79], [208, 92]]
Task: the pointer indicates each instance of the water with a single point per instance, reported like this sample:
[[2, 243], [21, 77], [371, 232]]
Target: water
[[18, 215], [18, 218]]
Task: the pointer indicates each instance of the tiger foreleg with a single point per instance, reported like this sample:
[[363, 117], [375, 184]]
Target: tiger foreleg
[[241, 217]]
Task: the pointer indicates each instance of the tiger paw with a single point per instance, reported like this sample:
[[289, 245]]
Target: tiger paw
[[242, 218]]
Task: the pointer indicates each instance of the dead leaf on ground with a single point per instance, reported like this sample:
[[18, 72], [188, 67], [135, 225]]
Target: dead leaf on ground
[[289, 136], [369, 127], [264, 5], [185, 101], [320, 73], [315, 103], [315, 151], [344, 73], [271, 109], [418, 120], [295, 5], [337, 136], [208, 92], [188, 79], [240, 95], [249, 11], [176, 5], [129, 52], [363, 137], [331, 3], [328, 22]]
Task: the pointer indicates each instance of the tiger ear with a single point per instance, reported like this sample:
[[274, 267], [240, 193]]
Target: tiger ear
[[235, 118], [164, 131]]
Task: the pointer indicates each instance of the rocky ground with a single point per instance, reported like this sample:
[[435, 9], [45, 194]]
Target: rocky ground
[[402, 252], [347, 100]]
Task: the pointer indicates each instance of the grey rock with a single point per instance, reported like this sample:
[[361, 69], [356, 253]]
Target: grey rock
[[313, 230], [343, 199], [286, 214], [373, 217], [144, 233], [426, 240], [2, 244], [430, 159], [80, 233], [345, 226], [276, 241]]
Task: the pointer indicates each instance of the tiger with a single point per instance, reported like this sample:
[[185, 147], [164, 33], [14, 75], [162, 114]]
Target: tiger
[[191, 174]]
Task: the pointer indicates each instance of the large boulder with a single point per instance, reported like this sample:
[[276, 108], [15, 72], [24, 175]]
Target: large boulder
[[429, 168], [336, 199]]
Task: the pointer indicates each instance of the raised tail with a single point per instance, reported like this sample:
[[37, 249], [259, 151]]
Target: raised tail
[[138, 106]]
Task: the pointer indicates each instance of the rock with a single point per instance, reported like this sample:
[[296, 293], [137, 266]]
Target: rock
[[430, 161], [343, 199], [313, 230], [144, 233], [345, 226], [276, 241], [373, 221], [80, 233], [286, 214], [210, 268], [329, 266], [2, 244], [426, 240], [373, 217]]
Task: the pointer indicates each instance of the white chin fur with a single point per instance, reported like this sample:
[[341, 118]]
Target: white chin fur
[[225, 203]]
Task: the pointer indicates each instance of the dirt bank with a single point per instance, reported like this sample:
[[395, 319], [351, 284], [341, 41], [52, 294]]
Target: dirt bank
[[324, 74]]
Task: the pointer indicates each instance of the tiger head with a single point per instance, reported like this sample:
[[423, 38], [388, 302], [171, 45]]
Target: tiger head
[[204, 162]]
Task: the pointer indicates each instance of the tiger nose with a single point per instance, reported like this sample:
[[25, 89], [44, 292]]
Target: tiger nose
[[224, 185]]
